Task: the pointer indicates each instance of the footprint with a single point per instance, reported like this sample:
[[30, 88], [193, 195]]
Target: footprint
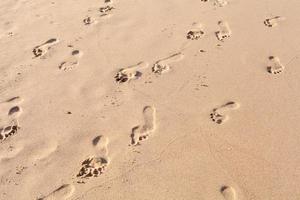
[[71, 62], [220, 3], [276, 67], [141, 132], [272, 22], [63, 192], [94, 166], [228, 193], [106, 10], [89, 21], [162, 66], [225, 31], [42, 49], [10, 111], [130, 73], [196, 32], [218, 114]]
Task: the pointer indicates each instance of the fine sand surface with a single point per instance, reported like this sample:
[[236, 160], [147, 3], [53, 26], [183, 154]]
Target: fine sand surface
[[149, 100]]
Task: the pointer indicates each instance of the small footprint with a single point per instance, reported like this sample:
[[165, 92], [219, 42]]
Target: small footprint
[[106, 10], [196, 32], [42, 49], [10, 111], [272, 22], [218, 114], [276, 67], [94, 166], [89, 21], [163, 65], [63, 192], [71, 62], [130, 73], [228, 193], [224, 32], [220, 3], [141, 132]]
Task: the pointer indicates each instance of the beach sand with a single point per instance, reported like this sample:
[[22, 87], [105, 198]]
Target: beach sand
[[149, 100]]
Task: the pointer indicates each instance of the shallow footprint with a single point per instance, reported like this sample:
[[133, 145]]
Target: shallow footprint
[[71, 62], [276, 67], [42, 49], [218, 114], [130, 73], [228, 193], [224, 32], [272, 22], [141, 132], [220, 3], [163, 65], [196, 32], [63, 192]]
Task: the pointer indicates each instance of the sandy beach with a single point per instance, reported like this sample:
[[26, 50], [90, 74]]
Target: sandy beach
[[149, 100]]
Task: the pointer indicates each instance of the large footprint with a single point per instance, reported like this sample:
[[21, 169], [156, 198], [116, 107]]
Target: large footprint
[[228, 193], [141, 132], [41, 50], [224, 32], [163, 65], [71, 62], [275, 67], [130, 73], [9, 113], [218, 114], [95, 165], [273, 21], [63, 192]]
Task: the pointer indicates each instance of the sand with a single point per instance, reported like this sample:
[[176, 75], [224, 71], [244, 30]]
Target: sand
[[143, 100]]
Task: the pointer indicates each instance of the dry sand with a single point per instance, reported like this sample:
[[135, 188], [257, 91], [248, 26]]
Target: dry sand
[[150, 100]]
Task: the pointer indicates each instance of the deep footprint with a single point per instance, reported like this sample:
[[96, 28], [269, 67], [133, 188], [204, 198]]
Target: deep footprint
[[218, 114], [42, 49], [275, 67], [141, 132], [163, 65], [196, 32], [228, 193], [94, 166]]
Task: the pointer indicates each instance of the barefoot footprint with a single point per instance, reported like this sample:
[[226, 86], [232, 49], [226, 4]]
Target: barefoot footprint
[[228, 193], [89, 20], [141, 132], [272, 22], [218, 114], [130, 73], [196, 32], [10, 111], [42, 49], [276, 67], [162, 66], [71, 62], [63, 192], [95, 165], [225, 31]]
